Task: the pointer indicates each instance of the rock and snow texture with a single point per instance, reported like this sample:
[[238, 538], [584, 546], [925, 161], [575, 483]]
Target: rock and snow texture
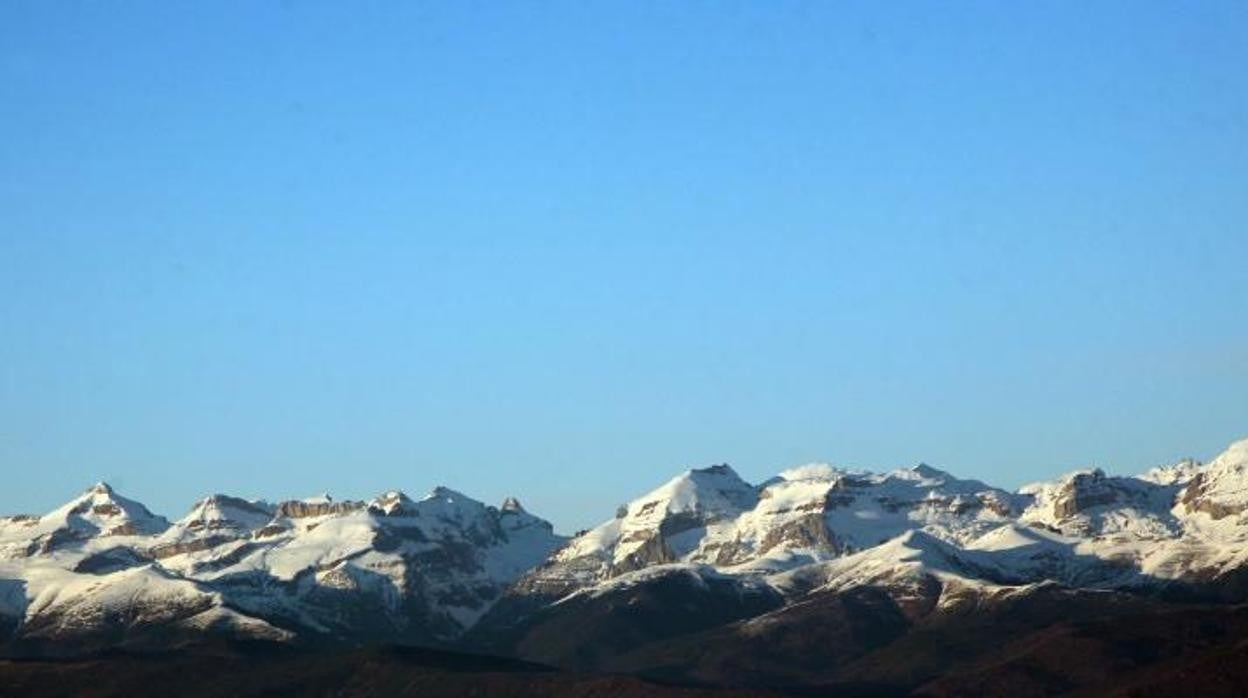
[[1086, 529], [804, 515], [426, 570], [101, 569]]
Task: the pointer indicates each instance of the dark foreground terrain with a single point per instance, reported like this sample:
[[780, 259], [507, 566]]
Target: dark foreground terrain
[[1196, 652], [257, 670]]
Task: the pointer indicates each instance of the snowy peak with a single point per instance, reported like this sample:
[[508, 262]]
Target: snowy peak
[[813, 471], [100, 511], [692, 500], [1179, 473], [807, 514], [389, 570], [445, 514], [1235, 455], [395, 569], [511, 504], [446, 504], [1220, 489], [215, 520], [392, 503], [100, 487], [447, 494], [223, 512], [661, 525], [1092, 503], [1076, 493], [706, 492], [927, 472]]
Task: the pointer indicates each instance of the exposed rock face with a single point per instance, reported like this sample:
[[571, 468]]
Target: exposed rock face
[[712, 516], [103, 569], [195, 545], [652, 551], [390, 570], [808, 531], [1090, 503], [1197, 497], [97, 513], [1219, 490], [1084, 491], [297, 509], [221, 511]]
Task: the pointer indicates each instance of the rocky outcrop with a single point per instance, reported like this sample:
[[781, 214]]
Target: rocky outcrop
[[298, 509], [195, 545], [1082, 492], [1196, 497], [809, 531], [652, 551]]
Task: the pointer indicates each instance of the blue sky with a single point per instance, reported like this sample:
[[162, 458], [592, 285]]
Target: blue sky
[[565, 250]]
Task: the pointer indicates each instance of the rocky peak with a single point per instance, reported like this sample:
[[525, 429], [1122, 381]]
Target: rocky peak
[[1180, 473], [1083, 491], [511, 504], [712, 490], [316, 506], [98, 511], [1092, 503], [100, 487], [927, 472], [1078, 493], [446, 493], [392, 503], [221, 511], [1220, 489]]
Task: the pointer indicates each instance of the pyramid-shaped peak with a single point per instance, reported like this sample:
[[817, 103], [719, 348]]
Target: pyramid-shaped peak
[[513, 505], [717, 476], [100, 487], [442, 492], [716, 488], [222, 507], [100, 510], [722, 469], [927, 471], [392, 503]]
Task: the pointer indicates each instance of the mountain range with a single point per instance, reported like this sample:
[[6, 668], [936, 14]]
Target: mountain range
[[906, 581]]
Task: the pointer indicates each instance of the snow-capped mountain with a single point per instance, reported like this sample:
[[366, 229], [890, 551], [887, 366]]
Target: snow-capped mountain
[[805, 515], [816, 513], [103, 570], [922, 537]]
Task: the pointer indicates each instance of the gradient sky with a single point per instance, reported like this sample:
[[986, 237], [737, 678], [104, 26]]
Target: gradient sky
[[565, 250]]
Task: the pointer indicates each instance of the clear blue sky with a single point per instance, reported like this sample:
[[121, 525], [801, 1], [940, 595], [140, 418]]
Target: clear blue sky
[[564, 250]]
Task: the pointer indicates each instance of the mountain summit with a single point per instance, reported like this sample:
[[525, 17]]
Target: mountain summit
[[704, 549]]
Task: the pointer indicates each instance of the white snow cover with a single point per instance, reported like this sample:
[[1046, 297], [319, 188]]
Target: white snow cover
[[712, 516], [1085, 529], [230, 562], [441, 561]]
